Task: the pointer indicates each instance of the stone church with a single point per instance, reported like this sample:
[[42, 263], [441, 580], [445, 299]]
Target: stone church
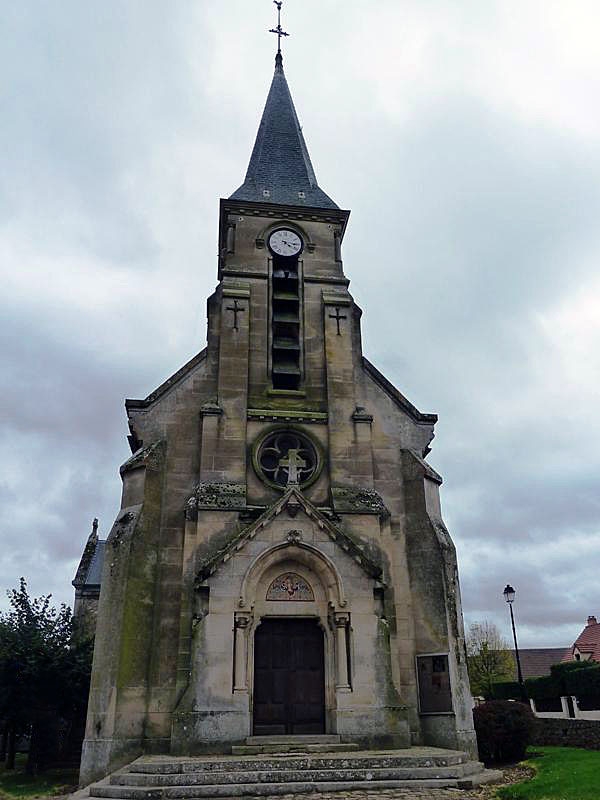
[[279, 564]]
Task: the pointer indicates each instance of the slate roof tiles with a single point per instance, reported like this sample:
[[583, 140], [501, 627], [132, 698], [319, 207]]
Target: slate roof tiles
[[280, 170]]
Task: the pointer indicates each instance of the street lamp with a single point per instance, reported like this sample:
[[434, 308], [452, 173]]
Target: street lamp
[[509, 596]]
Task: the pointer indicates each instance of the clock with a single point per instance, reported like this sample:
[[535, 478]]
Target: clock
[[284, 242]]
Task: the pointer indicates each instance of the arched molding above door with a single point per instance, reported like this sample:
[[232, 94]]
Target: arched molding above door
[[302, 554]]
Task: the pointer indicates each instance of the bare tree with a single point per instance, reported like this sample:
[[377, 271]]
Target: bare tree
[[489, 657]]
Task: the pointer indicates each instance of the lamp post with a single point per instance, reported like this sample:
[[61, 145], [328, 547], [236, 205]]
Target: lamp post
[[509, 596]]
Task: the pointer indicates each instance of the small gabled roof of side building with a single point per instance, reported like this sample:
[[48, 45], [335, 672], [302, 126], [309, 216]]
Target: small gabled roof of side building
[[89, 571], [587, 643]]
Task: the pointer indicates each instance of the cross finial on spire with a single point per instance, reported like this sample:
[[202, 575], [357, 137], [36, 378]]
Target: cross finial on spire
[[278, 30]]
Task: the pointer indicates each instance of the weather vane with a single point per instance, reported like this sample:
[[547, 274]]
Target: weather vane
[[278, 30]]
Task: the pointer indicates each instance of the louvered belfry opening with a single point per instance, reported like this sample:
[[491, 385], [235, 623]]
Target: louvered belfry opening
[[286, 323]]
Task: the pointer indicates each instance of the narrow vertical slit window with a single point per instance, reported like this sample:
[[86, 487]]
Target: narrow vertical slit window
[[286, 311]]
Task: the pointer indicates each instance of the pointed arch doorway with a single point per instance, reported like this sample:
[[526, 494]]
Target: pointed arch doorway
[[289, 677]]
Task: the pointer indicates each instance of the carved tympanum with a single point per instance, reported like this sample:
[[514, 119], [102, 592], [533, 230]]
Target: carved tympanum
[[290, 586]]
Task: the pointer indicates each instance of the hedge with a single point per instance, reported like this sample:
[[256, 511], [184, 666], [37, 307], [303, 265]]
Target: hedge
[[506, 690], [576, 678], [583, 682], [503, 729], [546, 688], [570, 666]]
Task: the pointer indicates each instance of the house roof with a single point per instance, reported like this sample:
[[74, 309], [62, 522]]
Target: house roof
[[587, 643], [280, 170], [536, 661]]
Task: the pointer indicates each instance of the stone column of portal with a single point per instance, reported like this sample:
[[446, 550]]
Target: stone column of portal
[[341, 646], [224, 459], [240, 681], [345, 468]]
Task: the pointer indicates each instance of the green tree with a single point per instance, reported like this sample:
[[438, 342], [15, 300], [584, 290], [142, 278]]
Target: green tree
[[488, 657], [45, 663]]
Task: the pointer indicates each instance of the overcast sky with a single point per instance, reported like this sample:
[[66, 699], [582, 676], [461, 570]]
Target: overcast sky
[[465, 138]]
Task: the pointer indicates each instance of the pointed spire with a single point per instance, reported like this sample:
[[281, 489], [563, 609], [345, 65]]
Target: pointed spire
[[280, 170]]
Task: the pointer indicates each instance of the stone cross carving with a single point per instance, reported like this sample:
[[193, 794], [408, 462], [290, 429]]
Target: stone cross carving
[[236, 310], [293, 462], [337, 317]]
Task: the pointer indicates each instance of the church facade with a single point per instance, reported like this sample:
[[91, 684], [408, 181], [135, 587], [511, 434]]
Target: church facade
[[279, 564]]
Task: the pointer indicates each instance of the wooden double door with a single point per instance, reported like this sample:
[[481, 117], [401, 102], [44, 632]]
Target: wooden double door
[[289, 677]]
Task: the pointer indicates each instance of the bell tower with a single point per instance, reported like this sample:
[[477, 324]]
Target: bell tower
[[281, 256], [280, 231], [279, 563]]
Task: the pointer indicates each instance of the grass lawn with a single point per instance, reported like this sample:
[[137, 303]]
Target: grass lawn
[[563, 773], [16, 784]]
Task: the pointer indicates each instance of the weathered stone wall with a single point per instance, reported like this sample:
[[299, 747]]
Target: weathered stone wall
[[362, 705], [85, 612], [172, 648], [567, 733]]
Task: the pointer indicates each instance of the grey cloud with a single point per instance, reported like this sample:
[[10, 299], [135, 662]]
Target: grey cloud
[[484, 222], [123, 125]]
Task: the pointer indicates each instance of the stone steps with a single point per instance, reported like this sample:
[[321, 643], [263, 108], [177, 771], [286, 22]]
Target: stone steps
[[296, 775], [364, 759], [171, 778], [299, 738], [322, 743], [273, 789], [273, 749]]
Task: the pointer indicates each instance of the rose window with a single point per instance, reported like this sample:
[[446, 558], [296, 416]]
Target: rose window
[[287, 458]]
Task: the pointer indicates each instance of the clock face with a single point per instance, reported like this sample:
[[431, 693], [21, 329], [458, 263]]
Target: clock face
[[285, 243]]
